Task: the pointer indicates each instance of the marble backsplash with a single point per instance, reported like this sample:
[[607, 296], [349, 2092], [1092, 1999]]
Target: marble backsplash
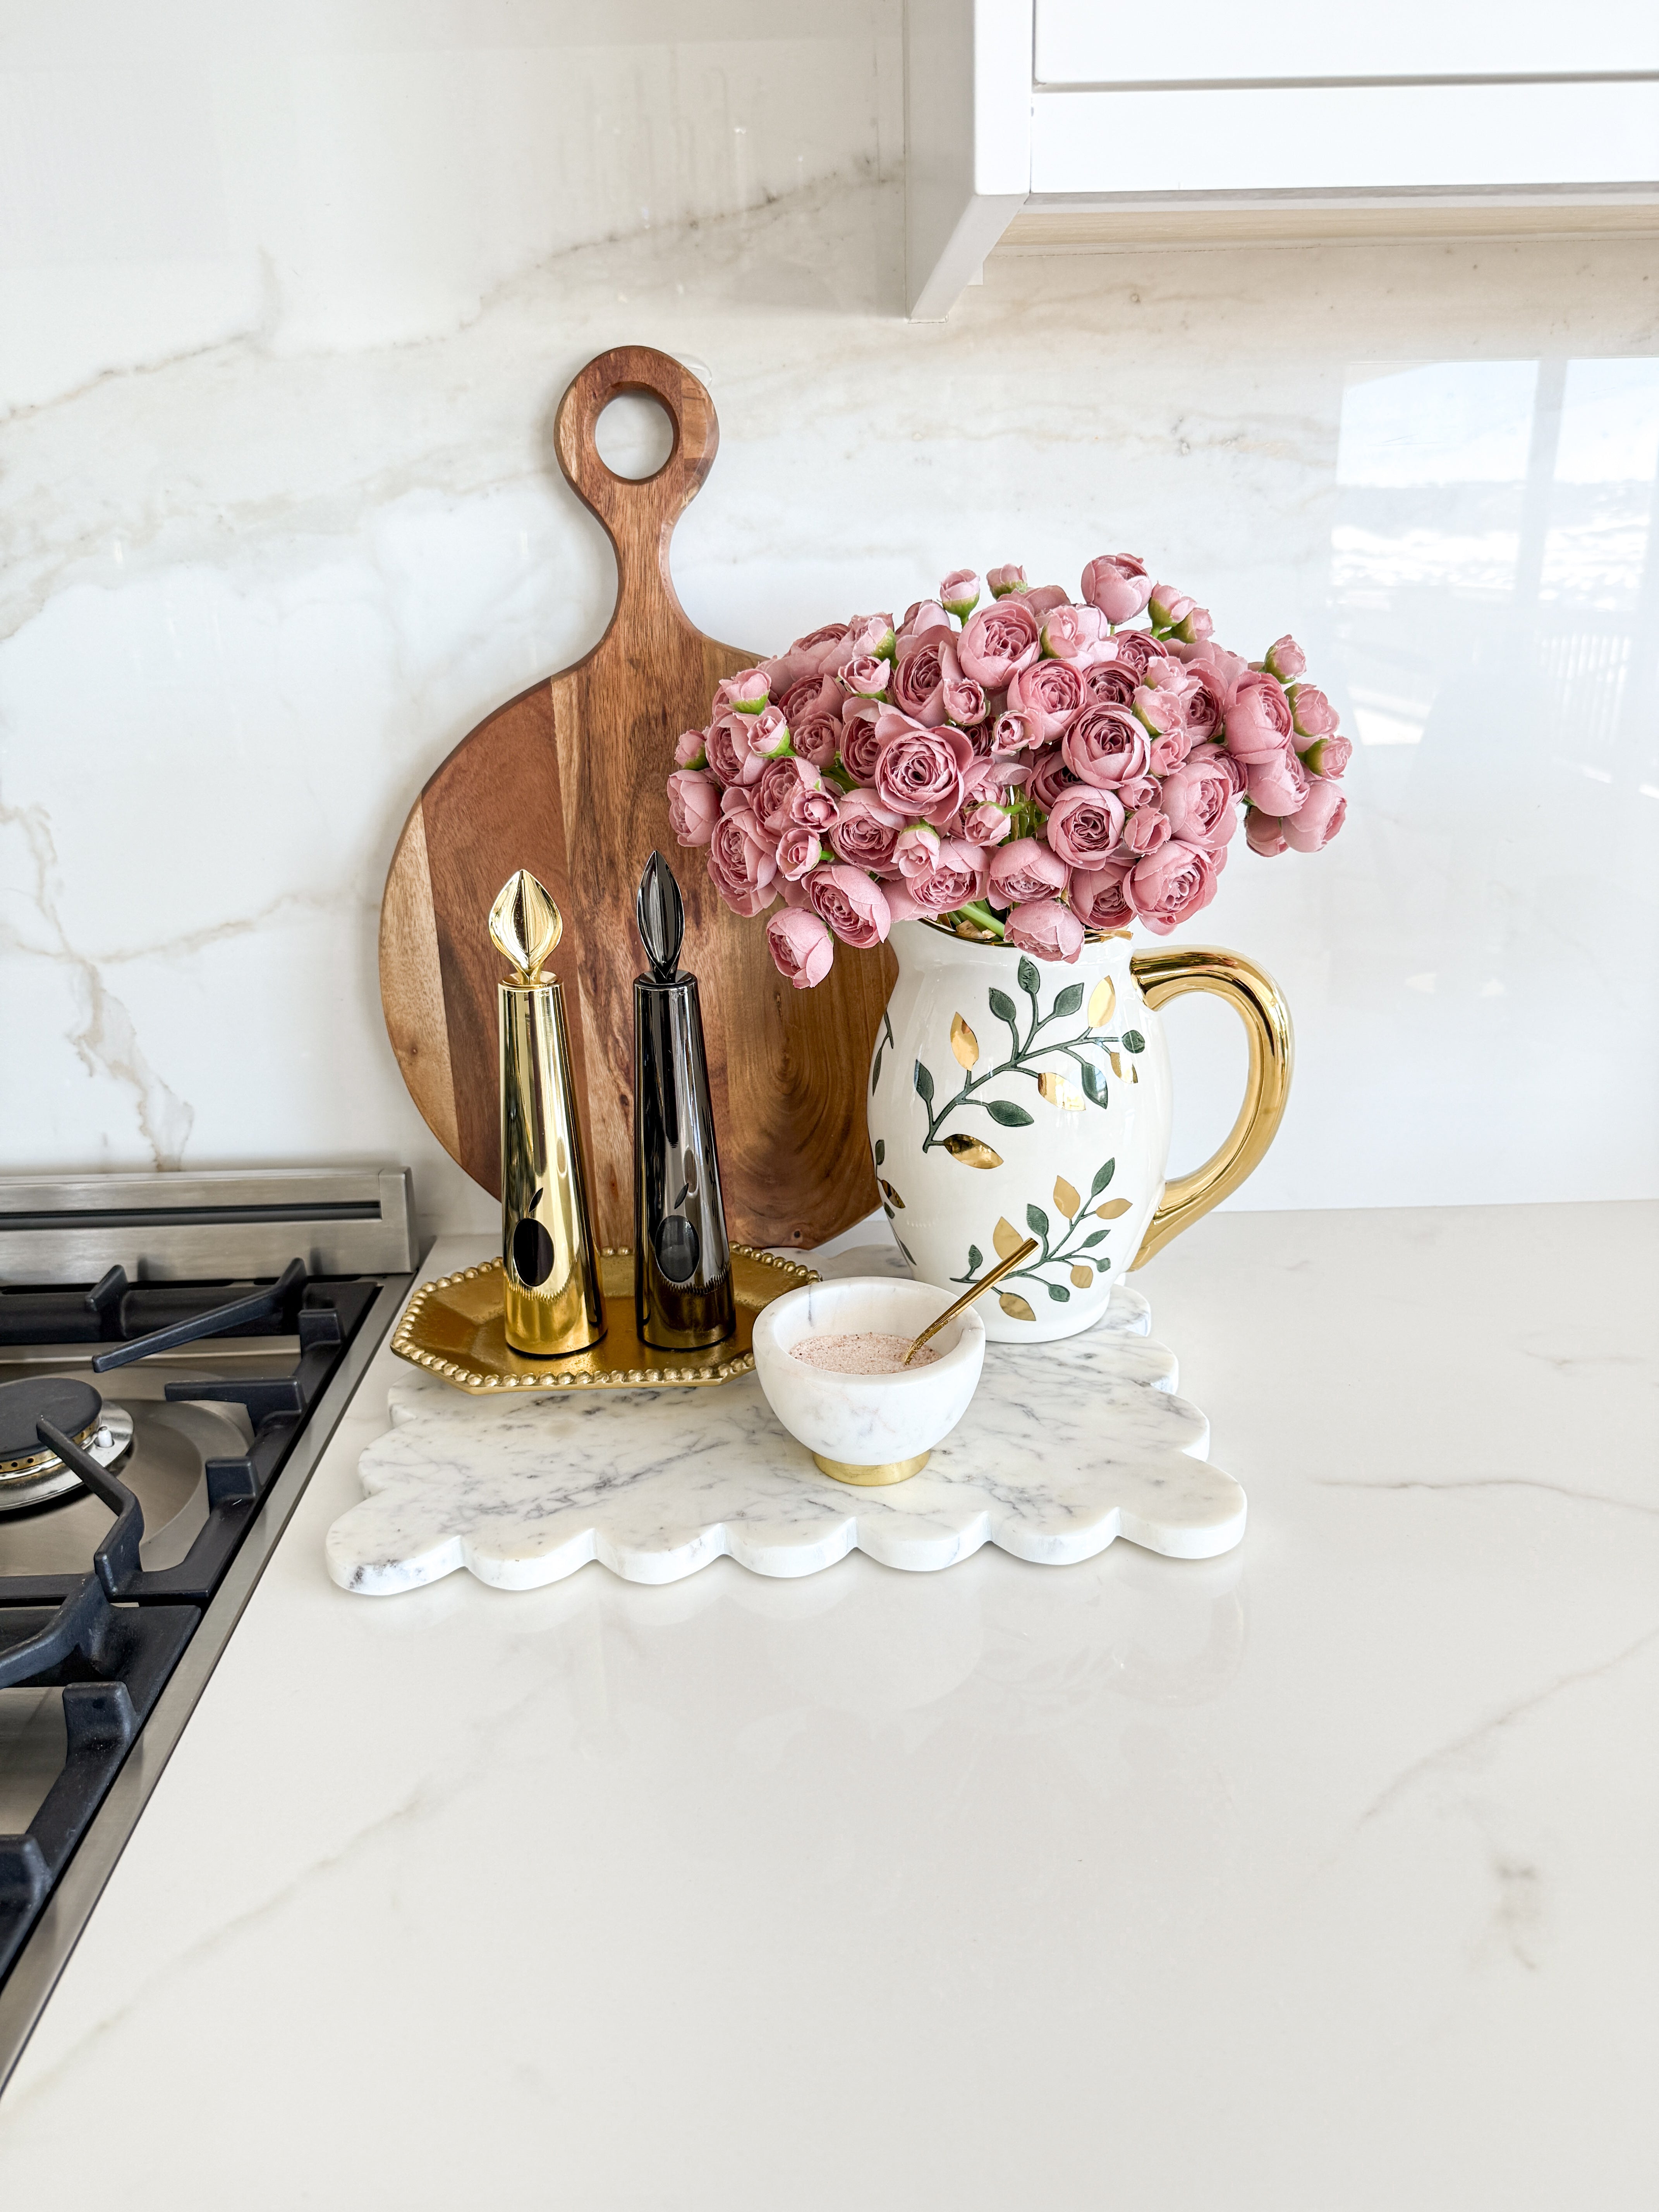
[[282, 520]]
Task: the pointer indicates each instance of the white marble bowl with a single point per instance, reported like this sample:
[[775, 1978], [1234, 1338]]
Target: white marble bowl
[[867, 1428]]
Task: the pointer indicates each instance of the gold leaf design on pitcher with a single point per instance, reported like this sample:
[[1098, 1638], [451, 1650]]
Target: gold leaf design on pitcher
[[1014, 1306], [970, 1152], [1102, 1000], [963, 1043]]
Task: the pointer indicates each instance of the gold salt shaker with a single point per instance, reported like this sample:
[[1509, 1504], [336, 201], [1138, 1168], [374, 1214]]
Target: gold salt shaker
[[550, 1271]]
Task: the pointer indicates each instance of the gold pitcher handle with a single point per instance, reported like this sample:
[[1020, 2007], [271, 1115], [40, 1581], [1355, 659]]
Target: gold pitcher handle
[[1259, 1004]]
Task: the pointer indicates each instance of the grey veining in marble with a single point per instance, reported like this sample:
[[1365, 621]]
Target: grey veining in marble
[[1065, 1448]]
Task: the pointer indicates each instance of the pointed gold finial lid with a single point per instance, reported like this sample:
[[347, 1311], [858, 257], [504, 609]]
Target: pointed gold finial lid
[[524, 926]]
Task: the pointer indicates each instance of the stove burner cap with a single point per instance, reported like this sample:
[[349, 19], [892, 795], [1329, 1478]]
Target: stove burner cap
[[72, 1406]]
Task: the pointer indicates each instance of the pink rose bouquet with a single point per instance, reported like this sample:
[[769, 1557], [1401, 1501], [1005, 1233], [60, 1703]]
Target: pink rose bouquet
[[1007, 762]]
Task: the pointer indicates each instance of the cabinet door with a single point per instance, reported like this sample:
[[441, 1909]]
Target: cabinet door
[[1218, 41]]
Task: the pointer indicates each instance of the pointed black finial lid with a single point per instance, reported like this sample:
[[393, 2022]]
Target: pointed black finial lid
[[660, 912]]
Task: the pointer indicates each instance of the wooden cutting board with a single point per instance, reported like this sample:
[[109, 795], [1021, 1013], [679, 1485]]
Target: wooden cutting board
[[568, 780]]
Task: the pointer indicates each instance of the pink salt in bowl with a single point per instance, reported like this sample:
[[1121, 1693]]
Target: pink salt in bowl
[[862, 1427]]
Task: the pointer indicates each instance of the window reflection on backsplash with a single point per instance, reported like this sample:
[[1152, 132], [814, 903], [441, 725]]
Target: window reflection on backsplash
[[1493, 557]]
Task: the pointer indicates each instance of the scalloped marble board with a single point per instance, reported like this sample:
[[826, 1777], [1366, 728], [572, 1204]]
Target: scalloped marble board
[[1065, 1448]]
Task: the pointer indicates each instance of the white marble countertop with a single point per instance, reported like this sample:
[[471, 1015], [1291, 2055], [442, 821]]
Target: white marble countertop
[[1318, 1876]]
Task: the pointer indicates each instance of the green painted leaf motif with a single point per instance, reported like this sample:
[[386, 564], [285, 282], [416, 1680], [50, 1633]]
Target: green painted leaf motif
[[905, 1248], [1002, 1006], [1006, 1114], [875, 1072], [1094, 1083], [1133, 1041], [1096, 1237], [1069, 999], [881, 1150], [1036, 1221], [1103, 1176], [976, 1259], [1028, 979], [924, 1083], [1059, 1293]]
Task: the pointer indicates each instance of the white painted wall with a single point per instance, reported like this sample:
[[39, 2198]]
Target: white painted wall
[[287, 302]]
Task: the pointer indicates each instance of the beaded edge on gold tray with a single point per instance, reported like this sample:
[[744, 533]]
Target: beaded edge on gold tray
[[464, 1374]]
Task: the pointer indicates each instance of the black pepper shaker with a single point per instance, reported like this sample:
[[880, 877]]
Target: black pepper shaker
[[683, 1296]]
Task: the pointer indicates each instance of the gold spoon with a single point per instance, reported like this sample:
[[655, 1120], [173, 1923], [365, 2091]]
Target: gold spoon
[[994, 1275]]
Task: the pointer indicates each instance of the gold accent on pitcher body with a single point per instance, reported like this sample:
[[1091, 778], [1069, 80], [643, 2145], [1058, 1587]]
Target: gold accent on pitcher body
[[1259, 1005]]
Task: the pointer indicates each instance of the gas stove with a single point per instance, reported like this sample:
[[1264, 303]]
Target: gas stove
[[175, 1352]]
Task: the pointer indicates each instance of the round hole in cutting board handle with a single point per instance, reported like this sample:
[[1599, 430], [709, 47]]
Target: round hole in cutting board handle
[[633, 436]]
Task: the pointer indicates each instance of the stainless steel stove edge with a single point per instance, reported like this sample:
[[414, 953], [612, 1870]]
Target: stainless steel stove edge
[[207, 1225], [44, 1957]]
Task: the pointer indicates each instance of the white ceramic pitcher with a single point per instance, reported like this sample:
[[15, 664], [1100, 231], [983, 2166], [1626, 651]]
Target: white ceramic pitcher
[[1011, 1098]]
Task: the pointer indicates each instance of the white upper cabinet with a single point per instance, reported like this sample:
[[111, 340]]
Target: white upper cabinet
[[1214, 41], [1075, 117]]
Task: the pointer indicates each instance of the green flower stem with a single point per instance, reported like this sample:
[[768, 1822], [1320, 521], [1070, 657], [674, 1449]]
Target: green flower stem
[[981, 915]]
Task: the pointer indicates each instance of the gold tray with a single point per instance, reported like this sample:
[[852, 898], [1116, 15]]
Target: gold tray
[[454, 1328]]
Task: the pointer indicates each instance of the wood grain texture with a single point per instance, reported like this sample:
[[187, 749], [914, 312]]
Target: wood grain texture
[[567, 780]]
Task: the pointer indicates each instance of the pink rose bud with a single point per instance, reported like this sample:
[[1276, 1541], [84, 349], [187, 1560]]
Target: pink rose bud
[[1046, 927], [815, 810], [959, 594], [1073, 634], [1285, 659], [865, 832], [1044, 599], [692, 749], [987, 824], [1011, 733], [1318, 818], [748, 691], [919, 772], [799, 852], [1118, 585], [872, 634], [919, 678], [1144, 830], [1312, 714], [1258, 721], [694, 805], [770, 740], [1025, 870], [1045, 695], [1327, 756], [917, 851], [1278, 785], [1200, 803], [1085, 824], [964, 703], [866, 675], [1265, 833], [998, 641], [1166, 754], [775, 790], [1194, 627], [860, 744], [1167, 606], [743, 864], [853, 907], [1171, 885], [1050, 777], [1000, 581], [1160, 711], [1103, 746], [1097, 895], [802, 947]]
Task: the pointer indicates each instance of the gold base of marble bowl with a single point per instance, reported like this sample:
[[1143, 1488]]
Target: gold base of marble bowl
[[455, 1328], [897, 1470]]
